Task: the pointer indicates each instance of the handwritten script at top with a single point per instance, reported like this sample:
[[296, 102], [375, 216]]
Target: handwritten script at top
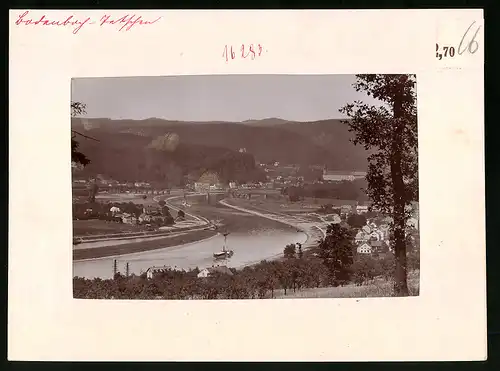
[[124, 23]]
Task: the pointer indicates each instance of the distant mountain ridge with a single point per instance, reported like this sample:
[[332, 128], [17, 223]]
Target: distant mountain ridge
[[270, 121], [266, 122], [268, 140]]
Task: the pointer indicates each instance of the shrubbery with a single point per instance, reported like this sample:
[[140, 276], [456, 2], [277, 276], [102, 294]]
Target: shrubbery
[[366, 267], [258, 281], [101, 210], [328, 209], [345, 190]]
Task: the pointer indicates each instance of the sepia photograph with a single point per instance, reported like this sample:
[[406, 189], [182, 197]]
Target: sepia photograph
[[212, 187]]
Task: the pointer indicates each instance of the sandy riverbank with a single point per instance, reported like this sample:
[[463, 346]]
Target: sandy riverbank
[[314, 230], [235, 221]]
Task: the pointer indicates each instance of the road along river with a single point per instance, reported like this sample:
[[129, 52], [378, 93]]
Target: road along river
[[252, 238]]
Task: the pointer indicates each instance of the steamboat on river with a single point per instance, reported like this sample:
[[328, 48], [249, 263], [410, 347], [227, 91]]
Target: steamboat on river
[[224, 253]]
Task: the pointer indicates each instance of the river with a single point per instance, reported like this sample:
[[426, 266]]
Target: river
[[249, 247], [252, 238]]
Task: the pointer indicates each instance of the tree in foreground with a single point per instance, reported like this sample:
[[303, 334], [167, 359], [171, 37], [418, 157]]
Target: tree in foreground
[[390, 131], [289, 252], [356, 220], [77, 157], [165, 211], [93, 188], [336, 251], [300, 253]]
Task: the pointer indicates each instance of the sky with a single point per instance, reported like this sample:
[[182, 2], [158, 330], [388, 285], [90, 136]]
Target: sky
[[217, 97]]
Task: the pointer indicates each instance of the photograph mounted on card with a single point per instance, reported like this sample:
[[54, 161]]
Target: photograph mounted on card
[[192, 178]]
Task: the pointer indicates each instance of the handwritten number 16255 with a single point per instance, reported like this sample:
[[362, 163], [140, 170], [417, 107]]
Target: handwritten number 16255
[[244, 52]]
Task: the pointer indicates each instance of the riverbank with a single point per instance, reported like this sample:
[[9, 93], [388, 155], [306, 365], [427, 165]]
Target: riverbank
[[143, 246], [314, 230]]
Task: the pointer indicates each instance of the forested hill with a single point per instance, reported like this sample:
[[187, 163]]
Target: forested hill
[[122, 151]]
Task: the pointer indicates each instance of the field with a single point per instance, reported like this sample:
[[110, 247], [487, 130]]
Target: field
[[95, 227], [285, 206], [274, 208], [236, 221]]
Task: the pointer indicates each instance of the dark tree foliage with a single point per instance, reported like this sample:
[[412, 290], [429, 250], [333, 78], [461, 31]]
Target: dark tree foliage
[[300, 253], [252, 282], [165, 211], [93, 188], [258, 281], [128, 157], [345, 190], [391, 131], [328, 209], [290, 251], [77, 156], [356, 220], [336, 251], [77, 109]]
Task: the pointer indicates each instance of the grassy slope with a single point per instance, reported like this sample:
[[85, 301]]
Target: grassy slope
[[377, 288]]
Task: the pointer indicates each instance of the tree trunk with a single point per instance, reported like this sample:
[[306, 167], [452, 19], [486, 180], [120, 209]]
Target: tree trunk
[[400, 279]]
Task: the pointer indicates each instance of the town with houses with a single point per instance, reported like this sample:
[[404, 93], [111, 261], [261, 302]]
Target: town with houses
[[372, 238], [277, 176]]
